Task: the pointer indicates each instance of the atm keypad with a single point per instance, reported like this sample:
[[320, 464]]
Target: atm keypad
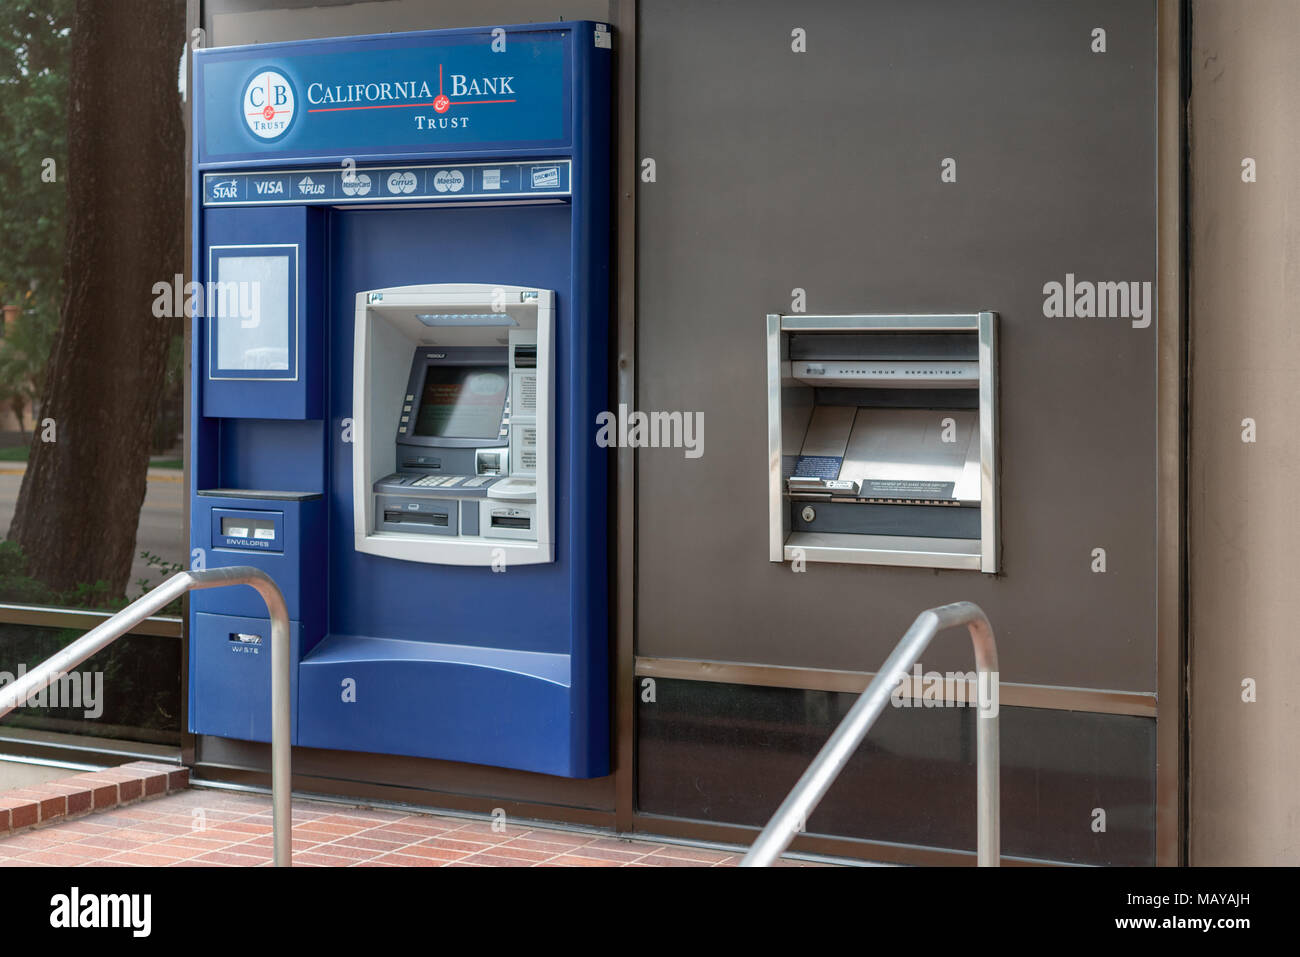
[[453, 481], [437, 481]]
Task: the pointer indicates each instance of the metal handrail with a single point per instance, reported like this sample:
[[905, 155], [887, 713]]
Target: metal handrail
[[101, 636], [794, 811]]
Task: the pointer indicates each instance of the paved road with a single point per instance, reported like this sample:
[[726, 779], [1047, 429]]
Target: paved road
[[160, 530]]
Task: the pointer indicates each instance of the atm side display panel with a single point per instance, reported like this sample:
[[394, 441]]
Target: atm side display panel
[[392, 412]]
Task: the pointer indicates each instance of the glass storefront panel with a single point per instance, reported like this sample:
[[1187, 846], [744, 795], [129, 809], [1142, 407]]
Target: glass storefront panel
[[731, 753], [130, 691], [91, 348]]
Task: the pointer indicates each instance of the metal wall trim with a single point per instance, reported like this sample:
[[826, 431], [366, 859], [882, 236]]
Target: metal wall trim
[[952, 322], [433, 801], [623, 15], [880, 852], [1171, 446], [61, 746], [47, 616], [1011, 694], [990, 496]]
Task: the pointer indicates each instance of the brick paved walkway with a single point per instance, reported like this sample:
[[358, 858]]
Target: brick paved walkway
[[198, 827]]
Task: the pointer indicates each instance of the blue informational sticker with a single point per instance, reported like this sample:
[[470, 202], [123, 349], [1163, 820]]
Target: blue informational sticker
[[386, 96], [389, 184]]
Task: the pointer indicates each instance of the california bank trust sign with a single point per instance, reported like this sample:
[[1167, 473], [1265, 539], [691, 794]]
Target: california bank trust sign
[[503, 88]]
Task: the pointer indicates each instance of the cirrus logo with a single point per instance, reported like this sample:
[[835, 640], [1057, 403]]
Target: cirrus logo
[[269, 104], [403, 181]]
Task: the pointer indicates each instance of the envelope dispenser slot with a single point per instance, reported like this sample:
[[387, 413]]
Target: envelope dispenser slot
[[882, 438]]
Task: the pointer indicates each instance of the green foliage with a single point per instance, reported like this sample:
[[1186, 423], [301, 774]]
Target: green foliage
[[24, 354], [164, 569], [141, 675], [35, 37], [17, 586]]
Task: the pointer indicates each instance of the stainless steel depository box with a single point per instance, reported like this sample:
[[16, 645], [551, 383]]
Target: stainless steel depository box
[[882, 439]]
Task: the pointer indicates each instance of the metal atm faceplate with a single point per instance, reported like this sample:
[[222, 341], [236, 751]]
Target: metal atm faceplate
[[882, 439]]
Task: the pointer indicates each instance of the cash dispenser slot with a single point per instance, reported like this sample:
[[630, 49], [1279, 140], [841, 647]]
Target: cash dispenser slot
[[414, 518], [511, 521], [882, 437]]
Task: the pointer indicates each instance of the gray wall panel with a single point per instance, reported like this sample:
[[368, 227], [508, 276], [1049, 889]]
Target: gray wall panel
[[731, 753], [821, 170]]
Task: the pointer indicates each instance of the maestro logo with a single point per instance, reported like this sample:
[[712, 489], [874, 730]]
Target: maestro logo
[[269, 104]]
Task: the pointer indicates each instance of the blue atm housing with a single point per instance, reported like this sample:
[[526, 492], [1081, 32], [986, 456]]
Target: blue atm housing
[[327, 168]]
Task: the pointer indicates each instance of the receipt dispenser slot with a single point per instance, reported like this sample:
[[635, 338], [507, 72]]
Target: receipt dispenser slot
[[882, 440]]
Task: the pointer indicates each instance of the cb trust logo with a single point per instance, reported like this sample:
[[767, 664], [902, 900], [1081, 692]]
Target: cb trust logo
[[269, 104]]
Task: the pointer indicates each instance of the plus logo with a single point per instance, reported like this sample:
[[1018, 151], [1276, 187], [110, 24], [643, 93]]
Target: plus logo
[[269, 105]]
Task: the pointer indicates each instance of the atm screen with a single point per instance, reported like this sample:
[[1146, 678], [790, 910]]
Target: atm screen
[[462, 402]]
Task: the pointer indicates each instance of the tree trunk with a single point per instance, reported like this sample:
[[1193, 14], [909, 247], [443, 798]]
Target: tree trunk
[[80, 501]]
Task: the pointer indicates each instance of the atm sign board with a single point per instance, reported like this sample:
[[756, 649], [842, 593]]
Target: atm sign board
[[386, 96]]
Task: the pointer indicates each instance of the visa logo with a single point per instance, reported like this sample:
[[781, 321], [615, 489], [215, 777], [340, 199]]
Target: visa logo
[[273, 187], [227, 189]]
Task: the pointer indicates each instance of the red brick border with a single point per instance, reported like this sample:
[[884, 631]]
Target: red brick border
[[84, 793]]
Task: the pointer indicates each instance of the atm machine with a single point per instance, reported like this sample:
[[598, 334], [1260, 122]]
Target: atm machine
[[882, 440], [400, 346], [454, 468]]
